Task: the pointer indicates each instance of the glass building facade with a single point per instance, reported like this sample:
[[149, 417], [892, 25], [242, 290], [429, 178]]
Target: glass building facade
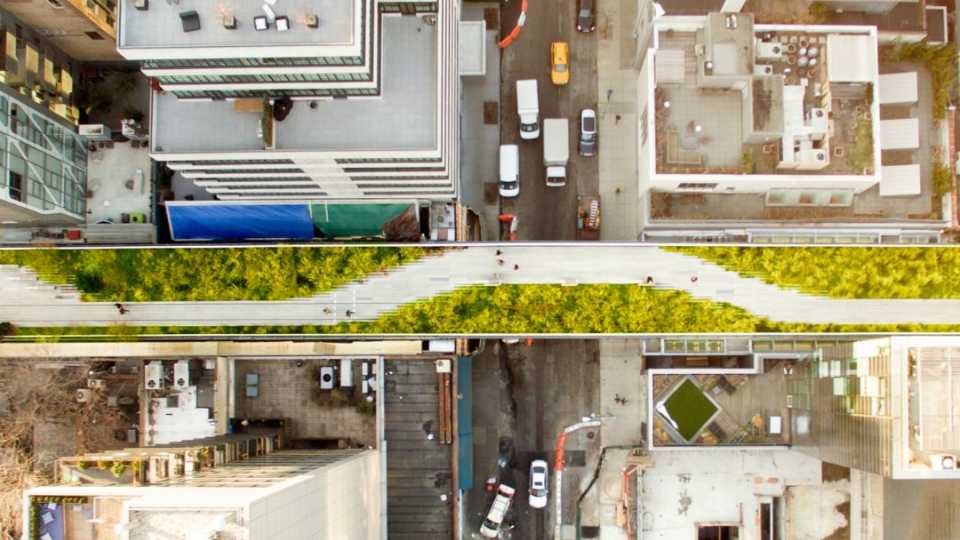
[[43, 163]]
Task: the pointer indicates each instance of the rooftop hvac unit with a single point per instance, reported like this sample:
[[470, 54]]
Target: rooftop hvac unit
[[95, 132], [153, 376], [84, 395], [762, 69], [327, 378], [181, 374], [769, 51], [346, 372], [945, 462]]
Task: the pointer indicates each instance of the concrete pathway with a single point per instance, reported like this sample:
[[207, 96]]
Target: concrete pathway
[[27, 302], [623, 206]]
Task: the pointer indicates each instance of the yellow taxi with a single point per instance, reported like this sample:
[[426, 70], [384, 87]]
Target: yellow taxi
[[560, 63]]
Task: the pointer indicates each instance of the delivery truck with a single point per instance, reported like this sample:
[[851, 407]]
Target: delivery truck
[[556, 150]]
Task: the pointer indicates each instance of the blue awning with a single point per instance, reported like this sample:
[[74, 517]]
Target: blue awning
[[465, 423], [219, 221]]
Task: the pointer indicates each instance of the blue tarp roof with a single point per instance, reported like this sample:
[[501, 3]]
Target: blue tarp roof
[[240, 221]]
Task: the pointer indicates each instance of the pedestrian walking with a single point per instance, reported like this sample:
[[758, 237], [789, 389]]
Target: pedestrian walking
[[121, 309], [609, 93], [349, 313], [617, 119], [500, 262], [693, 279], [327, 310], [499, 253], [649, 280], [516, 267]]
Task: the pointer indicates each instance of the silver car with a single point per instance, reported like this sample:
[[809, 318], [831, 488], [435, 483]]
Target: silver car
[[588, 132]]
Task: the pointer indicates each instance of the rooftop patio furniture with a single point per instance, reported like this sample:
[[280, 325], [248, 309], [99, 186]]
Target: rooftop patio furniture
[[260, 23], [190, 21], [283, 23]]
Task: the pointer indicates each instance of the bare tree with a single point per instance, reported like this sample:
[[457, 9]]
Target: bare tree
[[30, 396]]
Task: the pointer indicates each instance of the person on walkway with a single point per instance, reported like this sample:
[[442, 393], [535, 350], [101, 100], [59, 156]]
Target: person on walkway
[[327, 310], [121, 309], [648, 281], [499, 253], [617, 119], [500, 262], [349, 313], [693, 279], [516, 267], [609, 93]]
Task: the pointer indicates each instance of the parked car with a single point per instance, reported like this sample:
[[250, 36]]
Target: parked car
[[586, 17], [560, 63], [588, 132], [538, 483], [498, 510], [509, 170]]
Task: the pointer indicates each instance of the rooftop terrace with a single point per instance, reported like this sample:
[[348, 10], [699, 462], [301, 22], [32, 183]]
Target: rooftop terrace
[[408, 105], [732, 98], [160, 25]]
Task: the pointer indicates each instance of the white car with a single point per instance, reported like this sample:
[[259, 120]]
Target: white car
[[538, 483]]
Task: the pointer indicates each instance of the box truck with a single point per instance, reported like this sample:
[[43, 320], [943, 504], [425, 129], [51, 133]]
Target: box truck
[[556, 150]]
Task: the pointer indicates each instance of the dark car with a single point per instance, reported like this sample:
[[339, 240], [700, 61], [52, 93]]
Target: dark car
[[586, 18]]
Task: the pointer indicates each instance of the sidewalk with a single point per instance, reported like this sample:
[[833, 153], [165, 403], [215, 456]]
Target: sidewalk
[[480, 143], [435, 275], [619, 198]]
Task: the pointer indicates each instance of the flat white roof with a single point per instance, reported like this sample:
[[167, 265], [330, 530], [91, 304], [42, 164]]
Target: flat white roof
[[159, 27], [851, 58], [900, 134], [898, 88], [472, 51], [900, 180]]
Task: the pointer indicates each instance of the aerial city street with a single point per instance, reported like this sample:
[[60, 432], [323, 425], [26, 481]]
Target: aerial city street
[[479, 269]]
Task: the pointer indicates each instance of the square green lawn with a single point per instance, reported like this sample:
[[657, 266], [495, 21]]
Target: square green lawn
[[689, 408]]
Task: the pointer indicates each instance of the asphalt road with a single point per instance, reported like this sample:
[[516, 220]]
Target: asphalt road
[[548, 213], [530, 393]]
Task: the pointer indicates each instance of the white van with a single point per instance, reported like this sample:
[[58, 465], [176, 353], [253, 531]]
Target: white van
[[498, 510], [509, 170], [528, 109]]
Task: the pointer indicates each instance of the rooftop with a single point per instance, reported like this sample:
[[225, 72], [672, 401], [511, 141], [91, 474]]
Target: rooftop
[[934, 385], [160, 25], [408, 105], [734, 98], [733, 409], [696, 487]]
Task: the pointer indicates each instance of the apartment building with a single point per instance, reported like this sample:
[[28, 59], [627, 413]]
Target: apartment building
[[792, 133], [43, 161], [83, 29], [303, 103], [229, 486]]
